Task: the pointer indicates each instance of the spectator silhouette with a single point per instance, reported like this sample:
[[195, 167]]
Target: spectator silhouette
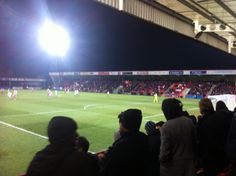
[[83, 146], [177, 152], [60, 157], [206, 110], [231, 147], [154, 139], [220, 105], [212, 135], [129, 154], [216, 132]]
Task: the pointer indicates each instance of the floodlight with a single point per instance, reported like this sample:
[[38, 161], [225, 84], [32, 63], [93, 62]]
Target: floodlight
[[222, 27], [54, 39], [234, 44], [203, 28]]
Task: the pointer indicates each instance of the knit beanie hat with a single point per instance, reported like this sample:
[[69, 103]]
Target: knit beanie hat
[[131, 119], [150, 127], [172, 108], [60, 128]]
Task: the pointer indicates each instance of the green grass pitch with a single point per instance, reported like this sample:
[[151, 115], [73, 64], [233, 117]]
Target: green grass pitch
[[96, 115]]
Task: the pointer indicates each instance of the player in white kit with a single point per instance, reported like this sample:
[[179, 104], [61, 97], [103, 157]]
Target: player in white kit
[[76, 92], [9, 94], [49, 92], [14, 95]]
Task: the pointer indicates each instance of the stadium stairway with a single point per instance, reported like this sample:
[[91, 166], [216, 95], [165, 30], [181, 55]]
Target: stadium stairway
[[185, 92], [168, 90], [117, 90], [211, 90]]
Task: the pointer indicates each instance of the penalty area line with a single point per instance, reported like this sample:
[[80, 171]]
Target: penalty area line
[[24, 130]]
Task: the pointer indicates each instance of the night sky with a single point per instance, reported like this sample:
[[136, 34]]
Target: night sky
[[103, 39]]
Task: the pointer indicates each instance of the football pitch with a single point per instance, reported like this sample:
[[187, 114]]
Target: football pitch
[[23, 122]]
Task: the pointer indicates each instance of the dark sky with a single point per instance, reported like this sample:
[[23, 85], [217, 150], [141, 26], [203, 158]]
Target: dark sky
[[103, 39]]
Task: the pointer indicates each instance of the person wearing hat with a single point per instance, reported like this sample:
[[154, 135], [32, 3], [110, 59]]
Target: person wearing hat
[[60, 157], [178, 140], [129, 155]]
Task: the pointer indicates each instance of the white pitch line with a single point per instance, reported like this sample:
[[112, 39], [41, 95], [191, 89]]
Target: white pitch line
[[66, 110], [98, 106], [50, 112], [91, 105], [24, 130], [27, 131], [47, 112], [103, 106], [155, 115], [161, 114], [38, 113]]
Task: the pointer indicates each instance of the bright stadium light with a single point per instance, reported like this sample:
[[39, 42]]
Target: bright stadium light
[[54, 39]]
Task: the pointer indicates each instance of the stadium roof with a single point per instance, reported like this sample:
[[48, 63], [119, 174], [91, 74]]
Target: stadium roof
[[104, 39], [208, 12]]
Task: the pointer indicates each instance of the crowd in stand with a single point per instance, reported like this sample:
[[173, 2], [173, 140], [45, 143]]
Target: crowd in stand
[[182, 146], [149, 87], [224, 88], [198, 88], [122, 86], [141, 86]]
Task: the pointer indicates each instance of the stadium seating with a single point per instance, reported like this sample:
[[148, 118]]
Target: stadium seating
[[168, 87]]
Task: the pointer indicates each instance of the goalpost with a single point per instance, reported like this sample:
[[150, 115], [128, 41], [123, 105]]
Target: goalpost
[[228, 99]]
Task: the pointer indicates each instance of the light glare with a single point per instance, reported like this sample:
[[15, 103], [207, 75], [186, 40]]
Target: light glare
[[54, 39]]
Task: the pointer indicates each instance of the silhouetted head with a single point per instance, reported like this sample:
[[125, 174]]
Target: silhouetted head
[[172, 108], [206, 106], [220, 105], [150, 127], [62, 130], [131, 119]]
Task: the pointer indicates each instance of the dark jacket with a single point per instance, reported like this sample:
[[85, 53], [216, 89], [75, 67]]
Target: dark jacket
[[231, 146], [60, 160], [154, 139], [128, 156], [213, 138], [201, 134]]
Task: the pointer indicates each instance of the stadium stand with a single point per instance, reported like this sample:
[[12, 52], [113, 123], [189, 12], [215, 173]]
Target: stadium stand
[[199, 89], [164, 86], [224, 88], [167, 86]]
